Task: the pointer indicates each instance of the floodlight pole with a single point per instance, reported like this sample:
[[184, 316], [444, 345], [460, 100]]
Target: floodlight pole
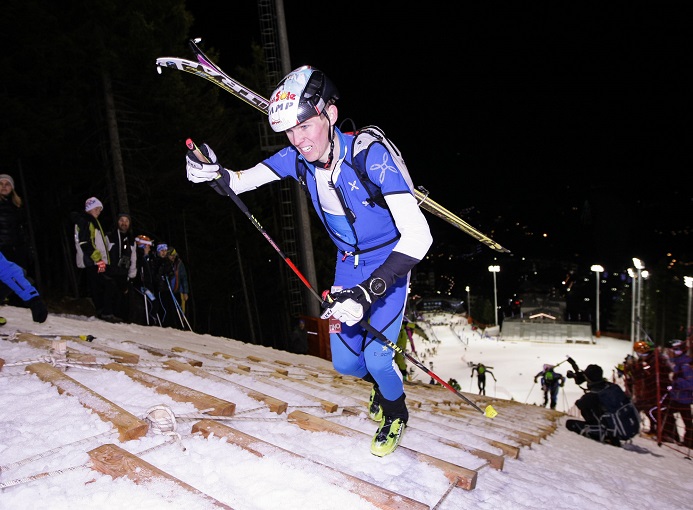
[[597, 269], [639, 266], [494, 270], [469, 305], [688, 281]]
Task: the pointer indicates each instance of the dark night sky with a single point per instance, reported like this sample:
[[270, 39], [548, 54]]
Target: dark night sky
[[520, 111]]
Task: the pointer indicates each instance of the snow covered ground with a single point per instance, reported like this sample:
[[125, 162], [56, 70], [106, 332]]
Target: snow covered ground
[[44, 437]]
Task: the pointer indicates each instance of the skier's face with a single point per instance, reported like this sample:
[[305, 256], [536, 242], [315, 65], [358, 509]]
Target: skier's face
[[311, 137]]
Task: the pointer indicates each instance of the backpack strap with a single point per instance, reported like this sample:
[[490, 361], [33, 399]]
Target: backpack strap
[[363, 140]]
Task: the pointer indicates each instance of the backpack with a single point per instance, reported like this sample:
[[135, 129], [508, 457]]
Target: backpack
[[620, 419], [363, 140], [481, 369]]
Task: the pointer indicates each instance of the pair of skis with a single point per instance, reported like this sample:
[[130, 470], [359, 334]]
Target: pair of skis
[[205, 68]]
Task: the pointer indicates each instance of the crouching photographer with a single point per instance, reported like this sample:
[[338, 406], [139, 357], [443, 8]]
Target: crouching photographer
[[608, 413]]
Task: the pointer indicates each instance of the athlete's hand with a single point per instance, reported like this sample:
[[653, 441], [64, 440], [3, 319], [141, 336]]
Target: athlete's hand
[[199, 170], [350, 305], [209, 171]]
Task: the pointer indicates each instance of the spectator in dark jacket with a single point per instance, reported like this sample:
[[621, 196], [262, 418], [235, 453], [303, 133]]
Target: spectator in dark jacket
[[178, 278], [162, 270], [649, 378], [13, 241], [145, 305], [123, 263], [680, 395], [299, 338]]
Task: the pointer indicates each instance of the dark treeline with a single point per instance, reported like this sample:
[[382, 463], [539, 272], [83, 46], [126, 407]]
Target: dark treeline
[[86, 114]]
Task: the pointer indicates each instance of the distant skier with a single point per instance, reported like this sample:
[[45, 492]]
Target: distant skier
[[481, 371], [551, 381]]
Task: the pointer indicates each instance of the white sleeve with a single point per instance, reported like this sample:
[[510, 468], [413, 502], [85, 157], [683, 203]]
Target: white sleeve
[[416, 235], [252, 178], [132, 271]]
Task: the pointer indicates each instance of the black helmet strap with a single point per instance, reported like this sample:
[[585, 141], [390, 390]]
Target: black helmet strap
[[330, 135]]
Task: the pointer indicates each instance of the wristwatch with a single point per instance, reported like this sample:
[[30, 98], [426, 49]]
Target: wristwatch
[[377, 286]]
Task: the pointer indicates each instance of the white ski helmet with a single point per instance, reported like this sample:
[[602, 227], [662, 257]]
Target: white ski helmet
[[303, 93]]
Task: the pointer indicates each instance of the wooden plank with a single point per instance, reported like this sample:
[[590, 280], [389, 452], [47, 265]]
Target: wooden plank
[[162, 352], [374, 494], [129, 426], [329, 407], [214, 406], [275, 405], [457, 475], [116, 354], [117, 463], [495, 461], [193, 362], [507, 449], [524, 438], [46, 343], [511, 451]]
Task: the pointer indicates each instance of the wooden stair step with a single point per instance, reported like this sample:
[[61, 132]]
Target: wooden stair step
[[128, 425]]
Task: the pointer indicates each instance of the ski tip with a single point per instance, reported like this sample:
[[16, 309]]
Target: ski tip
[[490, 412]]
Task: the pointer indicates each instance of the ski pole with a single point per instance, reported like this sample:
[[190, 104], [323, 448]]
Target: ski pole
[[217, 184], [530, 391], [181, 314]]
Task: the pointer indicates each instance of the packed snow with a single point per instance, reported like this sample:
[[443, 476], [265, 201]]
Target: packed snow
[[45, 437]]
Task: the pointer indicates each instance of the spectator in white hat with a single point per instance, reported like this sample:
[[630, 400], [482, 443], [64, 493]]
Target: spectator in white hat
[[91, 244]]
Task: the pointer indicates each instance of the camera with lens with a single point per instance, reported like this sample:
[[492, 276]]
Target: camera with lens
[[576, 373], [578, 376]]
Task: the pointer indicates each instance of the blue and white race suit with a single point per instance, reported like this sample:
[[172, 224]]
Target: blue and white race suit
[[365, 235]]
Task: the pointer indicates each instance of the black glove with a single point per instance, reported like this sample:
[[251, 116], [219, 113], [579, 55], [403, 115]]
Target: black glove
[[350, 305], [39, 312]]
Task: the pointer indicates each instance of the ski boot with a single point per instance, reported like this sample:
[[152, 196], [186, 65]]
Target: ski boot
[[391, 428]]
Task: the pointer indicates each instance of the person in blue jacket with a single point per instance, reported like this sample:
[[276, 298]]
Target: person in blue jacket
[[377, 246], [13, 280]]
